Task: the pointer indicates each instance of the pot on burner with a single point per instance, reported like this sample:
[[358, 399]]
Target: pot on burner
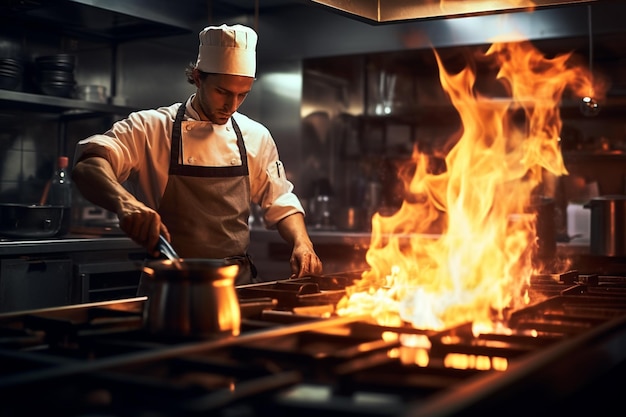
[[191, 298]]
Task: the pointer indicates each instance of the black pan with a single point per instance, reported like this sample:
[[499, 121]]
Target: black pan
[[30, 220]]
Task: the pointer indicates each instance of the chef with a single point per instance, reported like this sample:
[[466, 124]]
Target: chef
[[191, 170]]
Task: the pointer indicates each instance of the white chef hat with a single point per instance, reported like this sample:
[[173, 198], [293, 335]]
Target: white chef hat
[[228, 50]]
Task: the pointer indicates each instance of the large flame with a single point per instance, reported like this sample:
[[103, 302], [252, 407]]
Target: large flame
[[479, 263]]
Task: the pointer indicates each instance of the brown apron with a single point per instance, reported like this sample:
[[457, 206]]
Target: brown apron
[[206, 209]]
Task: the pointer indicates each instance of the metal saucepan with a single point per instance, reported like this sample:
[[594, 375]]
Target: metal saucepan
[[191, 297], [608, 225], [30, 220]]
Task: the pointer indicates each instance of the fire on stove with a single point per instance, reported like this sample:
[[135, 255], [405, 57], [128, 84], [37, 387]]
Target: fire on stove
[[469, 233]]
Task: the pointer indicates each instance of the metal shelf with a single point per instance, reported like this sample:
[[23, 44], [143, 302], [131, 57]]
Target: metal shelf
[[67, 108]]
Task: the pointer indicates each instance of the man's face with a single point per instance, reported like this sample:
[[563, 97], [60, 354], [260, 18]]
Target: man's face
[[219, 95]]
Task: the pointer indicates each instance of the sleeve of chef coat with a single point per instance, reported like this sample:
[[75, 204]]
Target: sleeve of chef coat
[[280, 200], [269, 183], [138, 149]]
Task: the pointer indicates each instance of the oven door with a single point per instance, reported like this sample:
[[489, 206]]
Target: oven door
[[32, 283], [104, 281]]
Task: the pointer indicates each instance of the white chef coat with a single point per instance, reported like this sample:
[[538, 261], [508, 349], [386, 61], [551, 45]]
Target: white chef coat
[[138, 149]]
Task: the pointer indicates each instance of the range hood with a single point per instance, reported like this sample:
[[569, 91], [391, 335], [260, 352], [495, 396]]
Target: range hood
[[386, 11], [108, 20]]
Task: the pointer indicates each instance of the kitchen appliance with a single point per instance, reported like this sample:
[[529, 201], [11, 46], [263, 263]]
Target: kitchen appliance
[[578, 221], [564, 354], [608, 225]]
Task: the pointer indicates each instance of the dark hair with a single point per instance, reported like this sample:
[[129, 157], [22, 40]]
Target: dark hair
[[189, 73]]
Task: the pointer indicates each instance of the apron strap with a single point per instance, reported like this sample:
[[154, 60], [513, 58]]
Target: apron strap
[[244, 260]]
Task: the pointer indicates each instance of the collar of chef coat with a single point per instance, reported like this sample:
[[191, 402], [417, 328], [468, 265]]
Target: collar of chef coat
[[191, 113], [217, 154]]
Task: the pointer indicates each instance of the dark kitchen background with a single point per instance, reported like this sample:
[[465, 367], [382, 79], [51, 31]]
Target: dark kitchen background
[[321, 75], [346, 97]]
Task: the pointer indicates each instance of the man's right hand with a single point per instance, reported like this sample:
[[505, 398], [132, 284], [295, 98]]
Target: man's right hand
[[143, 225]]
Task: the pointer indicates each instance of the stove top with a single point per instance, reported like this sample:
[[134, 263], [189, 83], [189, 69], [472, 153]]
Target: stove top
[[564, 354]]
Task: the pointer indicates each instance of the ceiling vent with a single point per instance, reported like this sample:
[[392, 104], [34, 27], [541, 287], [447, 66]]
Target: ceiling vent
[[388, 11]]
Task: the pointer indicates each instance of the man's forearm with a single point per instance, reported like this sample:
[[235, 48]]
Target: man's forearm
[[293, 230], [96, 181]]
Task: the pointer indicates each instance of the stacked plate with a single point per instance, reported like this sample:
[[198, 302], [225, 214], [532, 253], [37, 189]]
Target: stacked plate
[[55, 74], [11, 71]]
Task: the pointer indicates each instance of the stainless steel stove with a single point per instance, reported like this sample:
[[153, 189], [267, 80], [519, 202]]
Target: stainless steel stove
[[563, 355]]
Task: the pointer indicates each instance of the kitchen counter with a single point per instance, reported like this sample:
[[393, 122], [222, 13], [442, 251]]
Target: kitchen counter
[[73, 269], [80, 268], [319, 237], [87, 242], [69, 243], [346, 250], [362, 239], [578, 246]]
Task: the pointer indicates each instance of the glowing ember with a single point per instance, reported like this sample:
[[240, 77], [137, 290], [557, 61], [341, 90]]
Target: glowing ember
[[480, 263], [480, 362]]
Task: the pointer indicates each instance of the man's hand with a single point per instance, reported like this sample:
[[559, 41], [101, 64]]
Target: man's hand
[[143, 225], [304, 261]]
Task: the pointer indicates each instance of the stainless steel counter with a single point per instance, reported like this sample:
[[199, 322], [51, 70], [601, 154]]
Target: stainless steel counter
[[87, 267], [69, 243], [78, 242], [73, 269], [323, 237], [344, 250], [362, 239], [318, 237]]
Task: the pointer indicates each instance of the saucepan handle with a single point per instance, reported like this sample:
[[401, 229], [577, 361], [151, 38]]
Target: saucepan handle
[[166, 249]]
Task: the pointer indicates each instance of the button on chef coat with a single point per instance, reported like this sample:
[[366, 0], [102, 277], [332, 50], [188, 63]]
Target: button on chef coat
[[138, 149], [211, 152]]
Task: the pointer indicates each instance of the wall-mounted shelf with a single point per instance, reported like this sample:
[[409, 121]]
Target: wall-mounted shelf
[[66, 107]]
